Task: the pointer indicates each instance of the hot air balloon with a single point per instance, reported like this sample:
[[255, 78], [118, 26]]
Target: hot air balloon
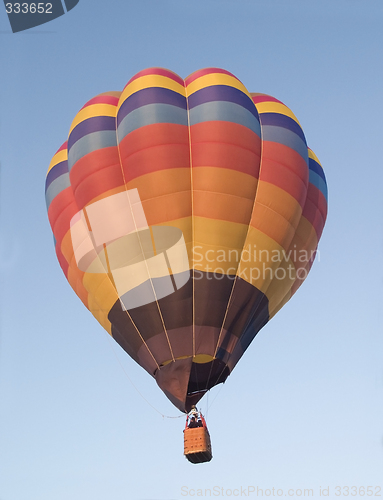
[[185, 214]]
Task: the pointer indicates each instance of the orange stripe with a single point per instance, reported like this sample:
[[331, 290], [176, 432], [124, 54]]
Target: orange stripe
[[167, 208], [279, 201], [75, 280], [161, 183], [222, 206], [305, 238], [272, 224], [227, 181]]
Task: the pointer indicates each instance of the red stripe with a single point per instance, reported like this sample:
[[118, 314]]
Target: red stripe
[[98, 183], [207, 71], [102, 99], [160, 146], [263, 98], [223, 155], [318, 198], [64, 146], [153, 135], [279, 153], [225, 145], [231, 133], [153, 159], [157, 71], [313, 215], [60, 213], [61, 201], [284, 178], [94, 174]]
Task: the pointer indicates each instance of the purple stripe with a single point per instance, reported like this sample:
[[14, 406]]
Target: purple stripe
[[151, 95], [222, 93], [55, 172], [279, 120], [313, 165], [94, 124]]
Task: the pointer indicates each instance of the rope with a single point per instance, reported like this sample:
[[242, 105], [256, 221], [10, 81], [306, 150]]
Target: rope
[[210, 405], [134, 386]]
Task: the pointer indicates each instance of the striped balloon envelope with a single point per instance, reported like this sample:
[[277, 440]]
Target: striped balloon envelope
[[185, 214]]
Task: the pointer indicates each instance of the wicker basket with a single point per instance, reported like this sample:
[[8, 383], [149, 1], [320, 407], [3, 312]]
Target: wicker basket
[[197, 446]]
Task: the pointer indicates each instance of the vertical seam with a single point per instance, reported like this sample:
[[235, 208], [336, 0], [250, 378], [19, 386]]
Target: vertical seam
[[192, 214]]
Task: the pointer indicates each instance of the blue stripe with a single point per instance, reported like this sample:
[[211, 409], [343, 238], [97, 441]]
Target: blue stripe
[[90, 125], [224, 111], [318, 182], [279, 120], [222, 93], [152, 95], [149, 115], [59, 169], [56, 187], [89, 143], [287, 138]]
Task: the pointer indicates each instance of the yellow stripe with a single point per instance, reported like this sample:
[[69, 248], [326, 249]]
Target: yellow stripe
[[282, 283], [277, 308], [91, 111], [313, 156], [153, 242], [58, 158], [280, 201], [216, 79], [198, 358], [101, 316], [305, 236], [147, 81], [102, 296], [218, 244], [219, 233], [67, 249], [261, 258], [275, 107], [202, 358]]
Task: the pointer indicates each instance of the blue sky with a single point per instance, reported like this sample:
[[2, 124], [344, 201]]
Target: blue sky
[[304, 407]]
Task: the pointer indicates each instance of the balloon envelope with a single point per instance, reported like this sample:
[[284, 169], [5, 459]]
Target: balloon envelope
[[185, 213]]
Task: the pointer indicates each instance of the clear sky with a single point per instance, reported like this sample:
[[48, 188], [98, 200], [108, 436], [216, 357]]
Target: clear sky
[[304, 407]]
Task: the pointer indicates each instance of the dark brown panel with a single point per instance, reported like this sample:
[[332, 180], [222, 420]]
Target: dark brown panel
[[185, 382]]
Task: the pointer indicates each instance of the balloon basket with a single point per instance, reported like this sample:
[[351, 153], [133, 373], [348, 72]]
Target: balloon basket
[[197, 445]]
